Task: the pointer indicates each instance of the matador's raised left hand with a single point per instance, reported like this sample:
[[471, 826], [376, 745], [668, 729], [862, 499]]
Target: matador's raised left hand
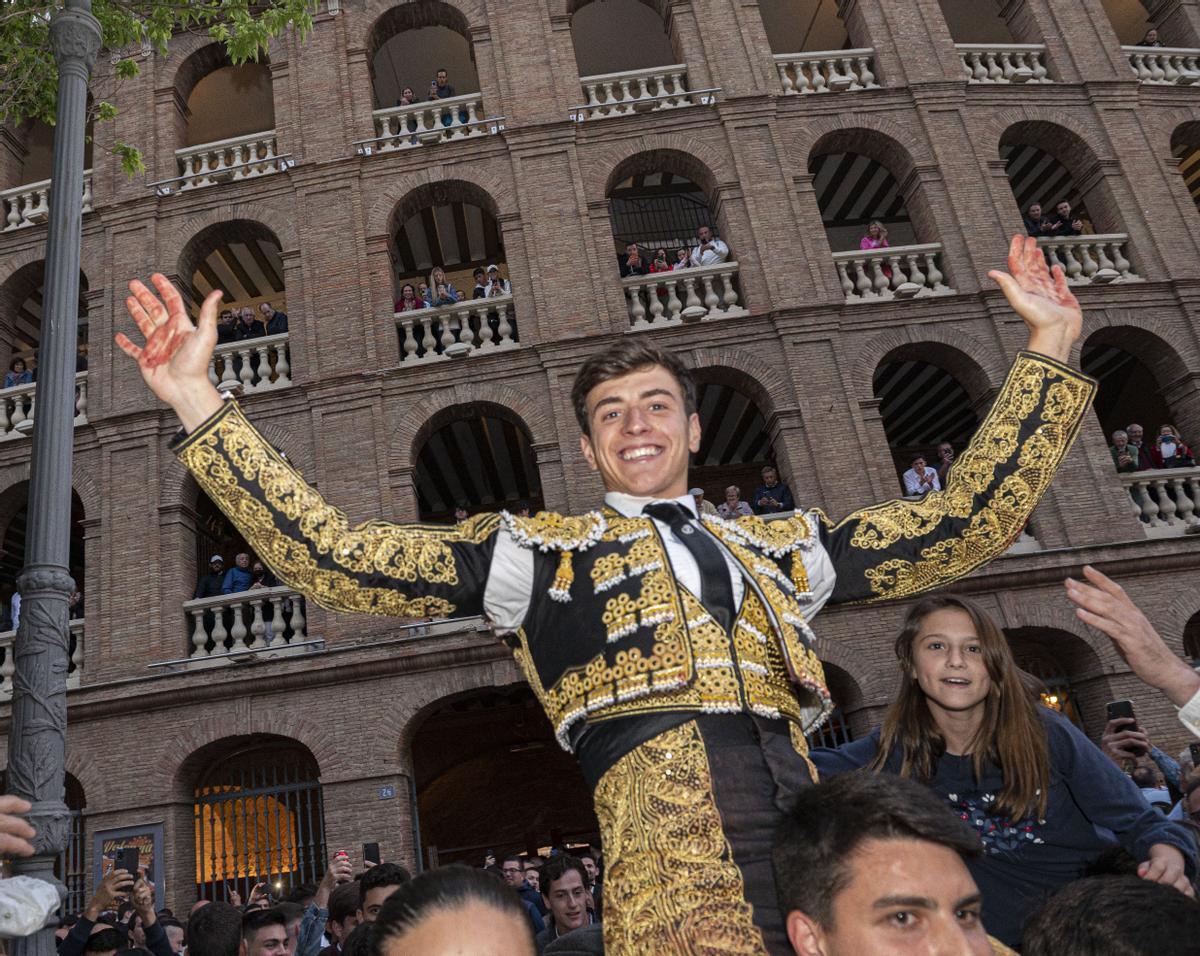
[[1040, 296]]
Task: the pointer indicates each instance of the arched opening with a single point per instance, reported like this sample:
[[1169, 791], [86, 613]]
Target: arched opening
[[1068, 669], [876, 220], [259, 815], [448, 234], [1191, 639], [489, 775], [847, 699], [1062, 194], [928, 395], [69, 865], [735, 443], [407, 47], [971, 21], [208, 83], [660, 205], [1131, 22], [477, 457], [22, 298], [1185, 146], [619, 36], [1136, 371], [27, 154], [801, 26], [243, 259]]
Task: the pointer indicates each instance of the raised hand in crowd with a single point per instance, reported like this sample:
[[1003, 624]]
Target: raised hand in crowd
[[1123, 742], [1103, 604], [1040, 296], [260, 897], [15, 830], [340, 871], [116, 883]]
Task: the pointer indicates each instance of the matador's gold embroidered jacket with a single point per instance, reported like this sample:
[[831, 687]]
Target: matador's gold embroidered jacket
[[610, 632]]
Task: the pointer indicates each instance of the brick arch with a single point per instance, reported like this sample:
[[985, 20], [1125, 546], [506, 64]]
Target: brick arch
[[90, 771], [858, 667], [570, 7], [703, 164], [1080, 136], [388, 19], [874, 136], [194, 56], [196, 737], [82, 484], [1184, 605], [1062, 619], [483, 185], [252, 217], [771, 389], [985, 370], [1151, 338], [418, 420]]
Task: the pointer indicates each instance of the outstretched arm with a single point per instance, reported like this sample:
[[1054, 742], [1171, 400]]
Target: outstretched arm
[[901, 548], [376, 567]]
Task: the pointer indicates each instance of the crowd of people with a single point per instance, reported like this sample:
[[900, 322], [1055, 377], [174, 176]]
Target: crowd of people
[[439, 290], [1131, 452], [1062, 222], [237, 325], [707, 251]]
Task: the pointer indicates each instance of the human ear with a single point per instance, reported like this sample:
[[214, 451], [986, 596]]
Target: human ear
[[804, 934], [694, 432], [585, 446]]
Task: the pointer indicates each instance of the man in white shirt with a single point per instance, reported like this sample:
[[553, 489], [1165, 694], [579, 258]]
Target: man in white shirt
[[1103, 604], [920, 479], [709, 249]]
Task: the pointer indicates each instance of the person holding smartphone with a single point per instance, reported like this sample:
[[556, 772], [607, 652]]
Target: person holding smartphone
[[1043, 798]]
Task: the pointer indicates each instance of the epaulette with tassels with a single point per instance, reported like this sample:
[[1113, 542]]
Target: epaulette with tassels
[[548, 531]]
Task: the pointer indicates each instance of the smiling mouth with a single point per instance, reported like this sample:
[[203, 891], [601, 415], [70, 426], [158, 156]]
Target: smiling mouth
[[956, 681], [641, 453]]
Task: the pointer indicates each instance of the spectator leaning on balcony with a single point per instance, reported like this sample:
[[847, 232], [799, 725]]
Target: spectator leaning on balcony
[[702, 506], [632, 264], [437, 279], [733, 506], [275, 321], [496, 283], [709, 249], [1062, 223], [226, 329], [409, 301], [921, 479], [248, 327], [1150, 39], [681, 259], [210, 584], [1035, 222], [445, 295], [17, 373], [1124, 458], [238, 578], [481, 289], [1170, 451], [772, 496], [945, 458], [1144, 459], [424, 294]]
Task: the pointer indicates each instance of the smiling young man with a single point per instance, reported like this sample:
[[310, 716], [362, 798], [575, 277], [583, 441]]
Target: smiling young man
[[672, 654]]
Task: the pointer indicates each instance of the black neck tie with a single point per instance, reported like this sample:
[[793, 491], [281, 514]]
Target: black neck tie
[[716, 589]]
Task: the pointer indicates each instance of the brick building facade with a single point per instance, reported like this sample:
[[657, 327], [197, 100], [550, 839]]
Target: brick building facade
[[937, 118]]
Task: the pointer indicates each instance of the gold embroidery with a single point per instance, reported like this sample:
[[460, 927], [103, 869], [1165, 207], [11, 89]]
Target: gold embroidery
[[551, 531], [670, 884], [415, 554]]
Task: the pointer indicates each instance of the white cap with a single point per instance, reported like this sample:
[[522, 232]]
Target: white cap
[[492, 267], [696, 491], [216, 557]]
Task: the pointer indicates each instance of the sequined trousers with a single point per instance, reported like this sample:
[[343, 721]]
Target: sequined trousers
[[687, 819]]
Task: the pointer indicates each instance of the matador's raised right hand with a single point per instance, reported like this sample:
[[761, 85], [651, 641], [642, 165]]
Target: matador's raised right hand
[[174, 360]]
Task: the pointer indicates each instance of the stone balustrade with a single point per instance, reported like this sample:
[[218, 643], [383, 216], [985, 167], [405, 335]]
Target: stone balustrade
[[29, 205], [636, 91], [1167, 66], [1090, 259], [8, 660], [1166, 500], [424, 124], [17, 408], [685, 295], [896, 272], [1003, 63], [228, 160], [827, 71], [250, 622], [255, 364], [470, 327]]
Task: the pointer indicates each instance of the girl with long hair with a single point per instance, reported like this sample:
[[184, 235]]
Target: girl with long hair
[[1044, 799]]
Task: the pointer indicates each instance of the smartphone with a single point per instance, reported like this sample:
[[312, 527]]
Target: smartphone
[[1123, 710], [129, 860], [1195, 749], [370, 852]]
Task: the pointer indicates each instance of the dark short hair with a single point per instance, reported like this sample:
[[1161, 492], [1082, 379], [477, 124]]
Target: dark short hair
[[214, 930], [343, 902], [828, 822], [514, 858], [1144, 777], [382, 874], [12, 366], [361, 941], [1114, 916], [290, 909], [915, 458], [104, 941], [255, 920], [628, 355], [448, 887], [557, 868]]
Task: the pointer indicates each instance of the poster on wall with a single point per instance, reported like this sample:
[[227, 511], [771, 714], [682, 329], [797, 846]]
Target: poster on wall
[[147, 839]]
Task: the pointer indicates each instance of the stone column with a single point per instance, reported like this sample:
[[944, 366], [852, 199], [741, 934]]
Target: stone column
[[36, 742]]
